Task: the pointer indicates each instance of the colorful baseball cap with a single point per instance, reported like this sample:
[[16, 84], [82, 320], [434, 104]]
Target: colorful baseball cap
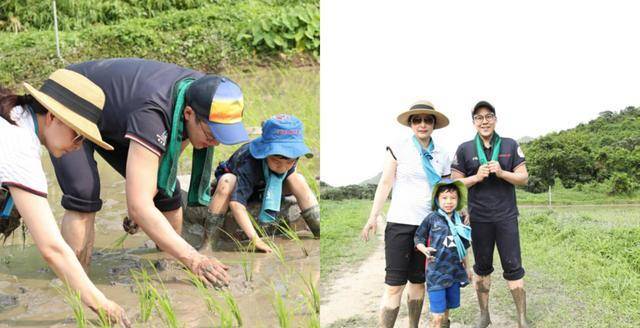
[[282, 134], [220, 100]]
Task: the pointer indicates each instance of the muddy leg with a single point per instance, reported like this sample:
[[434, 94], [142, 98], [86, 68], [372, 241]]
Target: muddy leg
[[78, 231], [390, 306], [446, 323], [519, 298], [483, 284], [218, 208], [415, 299], [435, 320], [307, 201]]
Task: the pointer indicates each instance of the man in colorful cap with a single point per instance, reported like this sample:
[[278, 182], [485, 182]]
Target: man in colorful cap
[[152, 111], [264, 169], [491, 166]]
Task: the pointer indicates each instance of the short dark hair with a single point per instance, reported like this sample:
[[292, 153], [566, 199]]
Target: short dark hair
[[447, 188]]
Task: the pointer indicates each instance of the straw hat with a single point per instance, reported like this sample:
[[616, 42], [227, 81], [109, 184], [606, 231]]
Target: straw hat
[[75, 100], [423, 107]]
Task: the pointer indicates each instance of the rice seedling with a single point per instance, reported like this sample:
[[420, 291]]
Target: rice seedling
[[277, 250], [246, 258], [119, 243], [146, 296], [163, 302], [103, 319], [233, 306], [288, 231], [284, 314], [72, 298], [311, 293], [213, 306]]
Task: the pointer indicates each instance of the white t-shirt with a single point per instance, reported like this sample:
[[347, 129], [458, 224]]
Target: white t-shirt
[[20, 164], [411, 195]]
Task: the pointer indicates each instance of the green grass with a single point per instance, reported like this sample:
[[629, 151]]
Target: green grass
[[72, 298], [340, 244], [582, 263], [588, 194]]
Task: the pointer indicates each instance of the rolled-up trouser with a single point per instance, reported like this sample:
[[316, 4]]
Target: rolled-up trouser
[[77, 175], [505, 235]]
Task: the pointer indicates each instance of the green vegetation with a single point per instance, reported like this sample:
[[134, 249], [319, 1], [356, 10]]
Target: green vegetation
[[605, 150], [584, 261], [592, 193], [340, 244], [72, 298], [209, 39]]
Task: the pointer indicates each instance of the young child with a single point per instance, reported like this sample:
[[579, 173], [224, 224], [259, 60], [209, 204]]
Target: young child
[[443, 239], [263, 169]]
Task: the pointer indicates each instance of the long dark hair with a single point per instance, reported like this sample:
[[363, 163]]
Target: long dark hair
[[9, 100]]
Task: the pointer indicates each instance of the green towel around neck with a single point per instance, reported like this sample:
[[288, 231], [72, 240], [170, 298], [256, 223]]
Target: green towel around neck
[[200, 184], [496, 141]]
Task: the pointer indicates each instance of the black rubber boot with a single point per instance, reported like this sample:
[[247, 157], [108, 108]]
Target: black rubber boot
[[312, 217], [213, 225], [194, 234]]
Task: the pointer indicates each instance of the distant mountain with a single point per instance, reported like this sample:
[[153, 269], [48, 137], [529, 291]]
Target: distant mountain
[[525, 139], [373, 180]]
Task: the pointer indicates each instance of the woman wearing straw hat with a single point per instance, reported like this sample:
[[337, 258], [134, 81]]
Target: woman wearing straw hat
[[412, 167], [47, 118]]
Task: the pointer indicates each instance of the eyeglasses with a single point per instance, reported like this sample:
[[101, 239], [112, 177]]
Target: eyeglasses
[[206, 133], [479, 118], [419, 119]]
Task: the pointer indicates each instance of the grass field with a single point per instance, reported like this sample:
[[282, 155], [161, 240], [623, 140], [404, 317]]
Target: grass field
[[582, 263], [595, 194]]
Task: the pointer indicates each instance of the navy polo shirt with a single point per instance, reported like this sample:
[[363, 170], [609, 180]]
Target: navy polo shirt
[[447, 268], [493, 199], [250, 181], [138, 99]]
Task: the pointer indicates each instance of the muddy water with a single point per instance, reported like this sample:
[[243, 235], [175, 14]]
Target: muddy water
[[28, 297]]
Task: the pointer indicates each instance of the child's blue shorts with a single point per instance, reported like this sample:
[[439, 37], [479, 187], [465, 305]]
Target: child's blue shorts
[[443, 299]]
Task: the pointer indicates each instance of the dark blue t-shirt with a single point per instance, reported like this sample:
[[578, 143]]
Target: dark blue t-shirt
[[447, 267], [493, 199], [139, 99], [250, 181]]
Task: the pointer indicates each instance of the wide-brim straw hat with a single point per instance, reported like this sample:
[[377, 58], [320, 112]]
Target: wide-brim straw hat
[[423, 107], [75, 100]]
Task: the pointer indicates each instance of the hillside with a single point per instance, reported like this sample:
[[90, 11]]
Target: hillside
[[604, 150]]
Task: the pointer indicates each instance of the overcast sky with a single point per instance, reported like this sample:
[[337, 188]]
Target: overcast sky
[[545, 66]]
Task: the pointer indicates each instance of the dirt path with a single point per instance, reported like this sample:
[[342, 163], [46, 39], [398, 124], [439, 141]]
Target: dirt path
[[353, 298]]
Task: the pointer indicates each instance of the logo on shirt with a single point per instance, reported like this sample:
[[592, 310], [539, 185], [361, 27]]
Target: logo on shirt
[[162, 138], [449, 242], [520, 152]]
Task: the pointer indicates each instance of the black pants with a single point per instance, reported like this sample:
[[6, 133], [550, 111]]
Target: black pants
[[403, 262], [505, 235], [77, 175]]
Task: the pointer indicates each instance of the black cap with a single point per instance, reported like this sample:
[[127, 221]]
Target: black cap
[[483, 104]]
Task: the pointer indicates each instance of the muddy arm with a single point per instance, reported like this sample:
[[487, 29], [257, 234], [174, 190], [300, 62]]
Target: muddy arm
[[38, 217], [141, 187]]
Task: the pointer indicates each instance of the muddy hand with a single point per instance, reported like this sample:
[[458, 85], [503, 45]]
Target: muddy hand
[[129, 226], [261, 245], [465, 217], [114, 313], [428, 252], [211, 271]]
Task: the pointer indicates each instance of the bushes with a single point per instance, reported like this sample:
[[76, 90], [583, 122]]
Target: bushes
[[207, 39], [366, 191]]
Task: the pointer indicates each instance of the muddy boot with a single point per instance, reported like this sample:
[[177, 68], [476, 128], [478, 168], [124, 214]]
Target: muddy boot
[[482, 290], [415, 307], [213, 224], [312, 217], [519, 298], [445, 323], [388, 317]]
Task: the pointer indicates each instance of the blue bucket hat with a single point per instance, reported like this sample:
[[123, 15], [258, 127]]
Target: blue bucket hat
[[281, 135]]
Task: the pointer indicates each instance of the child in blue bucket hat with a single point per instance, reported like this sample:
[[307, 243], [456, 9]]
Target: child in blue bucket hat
[[444, 239], [265, 169]]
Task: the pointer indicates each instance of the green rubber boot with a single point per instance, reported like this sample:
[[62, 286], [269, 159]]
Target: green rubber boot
[[312, 217], [213, 225], [193, 232]]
